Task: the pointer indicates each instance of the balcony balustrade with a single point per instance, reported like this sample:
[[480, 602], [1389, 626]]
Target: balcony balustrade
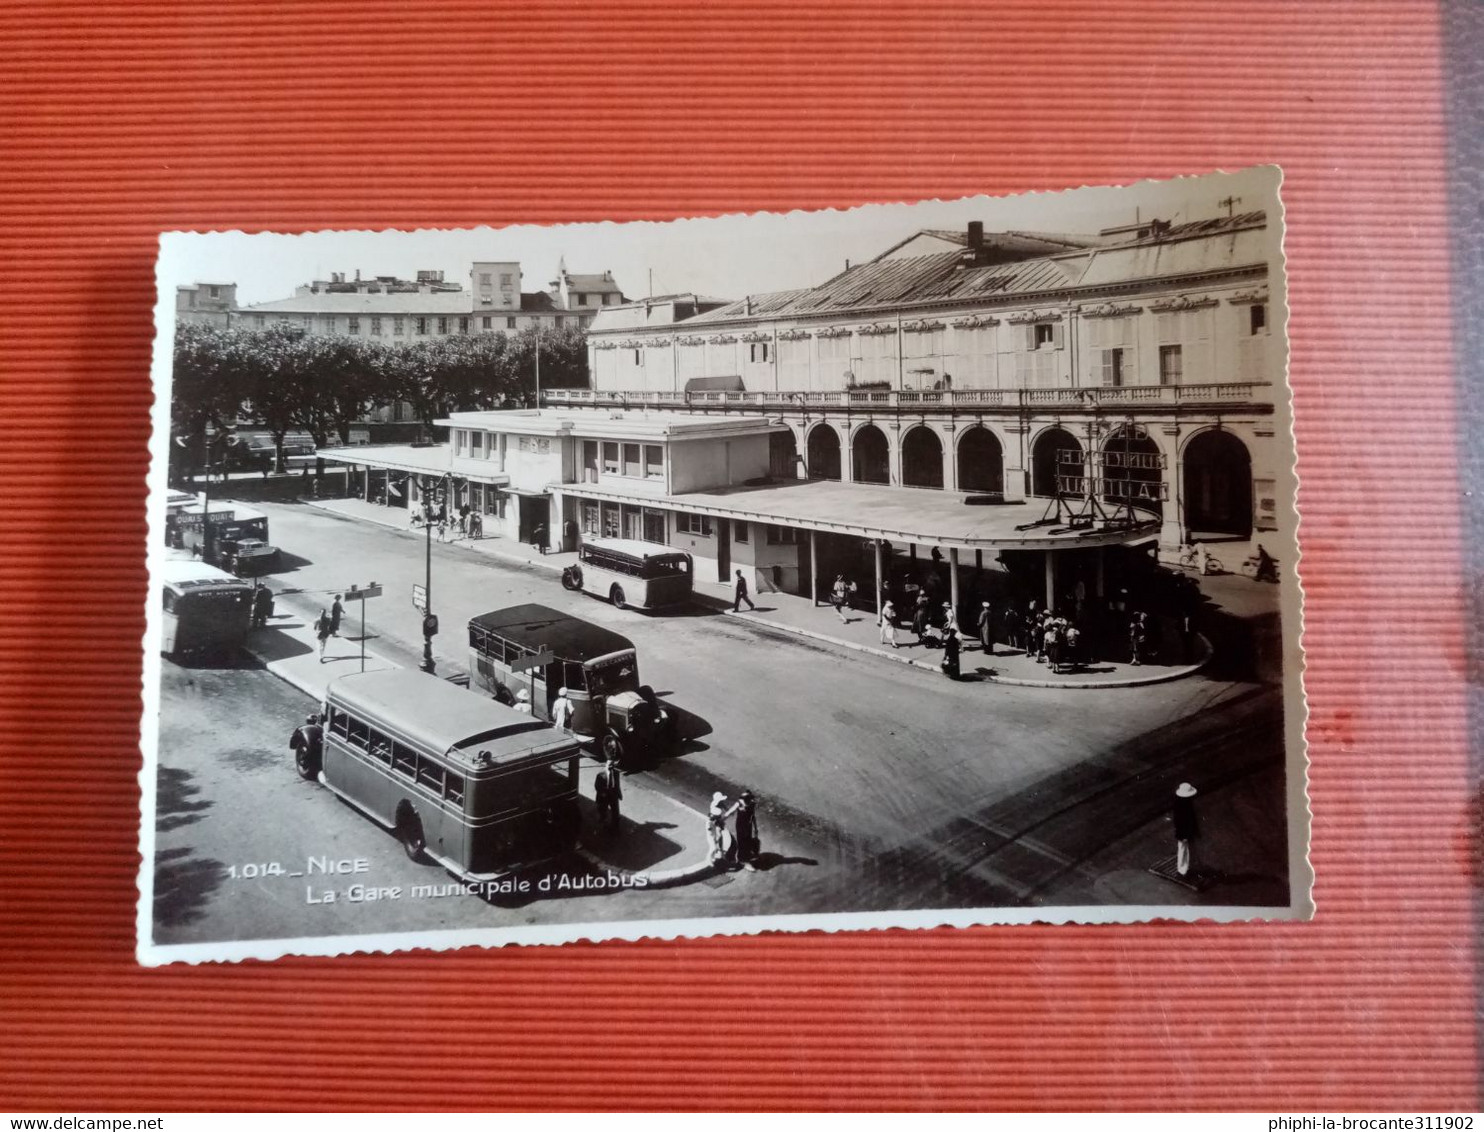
[[1092, 398]]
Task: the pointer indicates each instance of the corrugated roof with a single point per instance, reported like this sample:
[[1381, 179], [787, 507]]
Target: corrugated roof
[[1182, 249], [591, 283]]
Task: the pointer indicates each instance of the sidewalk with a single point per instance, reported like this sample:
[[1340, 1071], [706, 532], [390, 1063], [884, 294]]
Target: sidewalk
[[791, 613], [1005, 665], [664, 840]]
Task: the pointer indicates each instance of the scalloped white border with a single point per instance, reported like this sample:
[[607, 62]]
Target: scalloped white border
[[1301, 874]]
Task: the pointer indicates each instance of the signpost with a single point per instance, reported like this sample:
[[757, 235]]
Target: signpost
[[538, 659], [419, 597], [373, 590]]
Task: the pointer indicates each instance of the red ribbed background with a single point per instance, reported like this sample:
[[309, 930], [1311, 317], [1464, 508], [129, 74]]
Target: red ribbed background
[[125, 119]]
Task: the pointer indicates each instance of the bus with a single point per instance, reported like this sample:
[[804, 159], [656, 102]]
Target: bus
[[205, 608], [230, 522], [591, 662], [481, 789], [631, 573]]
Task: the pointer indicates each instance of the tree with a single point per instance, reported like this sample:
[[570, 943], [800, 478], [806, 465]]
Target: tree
[[279, 373], [206, 391]]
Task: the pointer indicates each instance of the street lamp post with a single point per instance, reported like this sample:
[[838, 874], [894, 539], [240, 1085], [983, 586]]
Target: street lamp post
[[428, 623]]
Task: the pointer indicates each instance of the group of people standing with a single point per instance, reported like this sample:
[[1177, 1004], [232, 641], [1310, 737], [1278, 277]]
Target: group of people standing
[[468, 524], [739, 846], [327, 624]]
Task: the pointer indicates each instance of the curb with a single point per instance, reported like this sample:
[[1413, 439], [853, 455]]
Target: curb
[[1007, 681]]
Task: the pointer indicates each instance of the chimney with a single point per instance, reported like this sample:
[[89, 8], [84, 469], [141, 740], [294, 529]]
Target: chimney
[[748, 308], [976, 235], [358, 275], [973, 254]]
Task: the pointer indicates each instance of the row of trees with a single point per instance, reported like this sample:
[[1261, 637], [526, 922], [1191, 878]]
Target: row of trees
[[286, 380]]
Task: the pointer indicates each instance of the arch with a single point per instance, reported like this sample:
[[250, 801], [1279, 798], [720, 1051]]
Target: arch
[[823, 448], [981, 462], [1047, 463], [1132, 469], [783, 452], [1216, 485], [870, 459], [922, 458]]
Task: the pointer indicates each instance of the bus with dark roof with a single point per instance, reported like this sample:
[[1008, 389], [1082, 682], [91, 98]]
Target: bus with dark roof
[[598, 667], [478, 787]]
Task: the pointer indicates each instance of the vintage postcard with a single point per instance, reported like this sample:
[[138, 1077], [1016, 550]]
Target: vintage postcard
[[906, 565]]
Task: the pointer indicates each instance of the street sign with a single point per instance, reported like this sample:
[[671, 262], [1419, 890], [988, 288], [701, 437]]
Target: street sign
[[357, 594], [535, 660], [420, 597]]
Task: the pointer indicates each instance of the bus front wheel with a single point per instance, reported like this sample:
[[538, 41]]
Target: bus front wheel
[[615, 595], [307, 764], [572, 578], [410, 832]]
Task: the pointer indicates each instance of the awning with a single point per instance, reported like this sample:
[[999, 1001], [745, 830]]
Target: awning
[[432, 460], [896, 514], [729, 384]]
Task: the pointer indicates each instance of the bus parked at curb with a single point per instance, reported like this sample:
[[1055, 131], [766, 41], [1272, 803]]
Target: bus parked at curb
[[205, 609], [631, 574], [480, 788], [599, 668]]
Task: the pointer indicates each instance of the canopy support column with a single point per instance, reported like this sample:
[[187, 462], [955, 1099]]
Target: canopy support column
[[813, 571], [876, 545], [953, 580], [1099, 589], [1050, 580]]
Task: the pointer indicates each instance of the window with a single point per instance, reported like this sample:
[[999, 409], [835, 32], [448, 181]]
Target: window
[[476, 443], [610, 458], [404, 759], [353, 325], [631, 460], [443, 326], [739, 530], [309, 323], [376, 325], [420, 325], [216, 292], [589, 517], [338, 723], [1113, 367], [560, 321], [399, 325], [453, 788], [507, 280], [1258, 318], [1044, 335], [329, 324], [357, 734], [582, 300], [758, 351], [510, 324], [484, 279], [782, 536], [687, 524], [486, 323], [464, 324], [637, 361], [379, 746], [259, 321], [654, 462], [1171, 365], [430, 774]]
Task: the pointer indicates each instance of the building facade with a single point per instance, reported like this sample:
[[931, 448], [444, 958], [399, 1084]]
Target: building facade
[[212, 304], [1135, 367]]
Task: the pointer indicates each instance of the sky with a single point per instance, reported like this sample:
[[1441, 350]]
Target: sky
[[728, 256]]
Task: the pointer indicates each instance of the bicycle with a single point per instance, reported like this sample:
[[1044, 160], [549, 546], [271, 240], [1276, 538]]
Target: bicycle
[[1191, 560], [1253, 568]]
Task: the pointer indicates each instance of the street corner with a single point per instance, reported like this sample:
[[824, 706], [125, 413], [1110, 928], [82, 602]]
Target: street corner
[[655, 837]]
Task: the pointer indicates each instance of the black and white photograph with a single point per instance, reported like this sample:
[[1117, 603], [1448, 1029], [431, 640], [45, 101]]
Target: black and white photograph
[[899, 565]]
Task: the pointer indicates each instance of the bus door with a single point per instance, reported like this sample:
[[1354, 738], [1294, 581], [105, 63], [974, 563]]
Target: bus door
[[723, 550]]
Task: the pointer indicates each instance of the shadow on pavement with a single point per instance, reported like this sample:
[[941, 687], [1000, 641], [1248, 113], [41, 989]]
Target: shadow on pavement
[[175, 804], [271, 645], [183, 886]]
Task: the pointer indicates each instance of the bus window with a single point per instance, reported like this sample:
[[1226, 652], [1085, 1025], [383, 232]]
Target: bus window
[[379, 746], [575, 676], [453, 788], [338, 721], [429, 774], [357, 733], [404, 760], [169, 601]]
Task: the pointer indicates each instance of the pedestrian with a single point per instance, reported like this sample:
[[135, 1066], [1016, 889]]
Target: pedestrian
[[716, 828], [608, 790], [1187, 827], [308, 744], [1038, 637], [742, 595], [1052, 644], [322, 631], [442, 530], [1138, 635], [888, 623], [839, 594], [337, 611], [746, 845], [1012, 626], [986, 628], [920, 617], [1267, 566], [1072, 646], [950, 653], [561, 711], [476, 521], [950, 617], [262, 606], [523, 702]]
